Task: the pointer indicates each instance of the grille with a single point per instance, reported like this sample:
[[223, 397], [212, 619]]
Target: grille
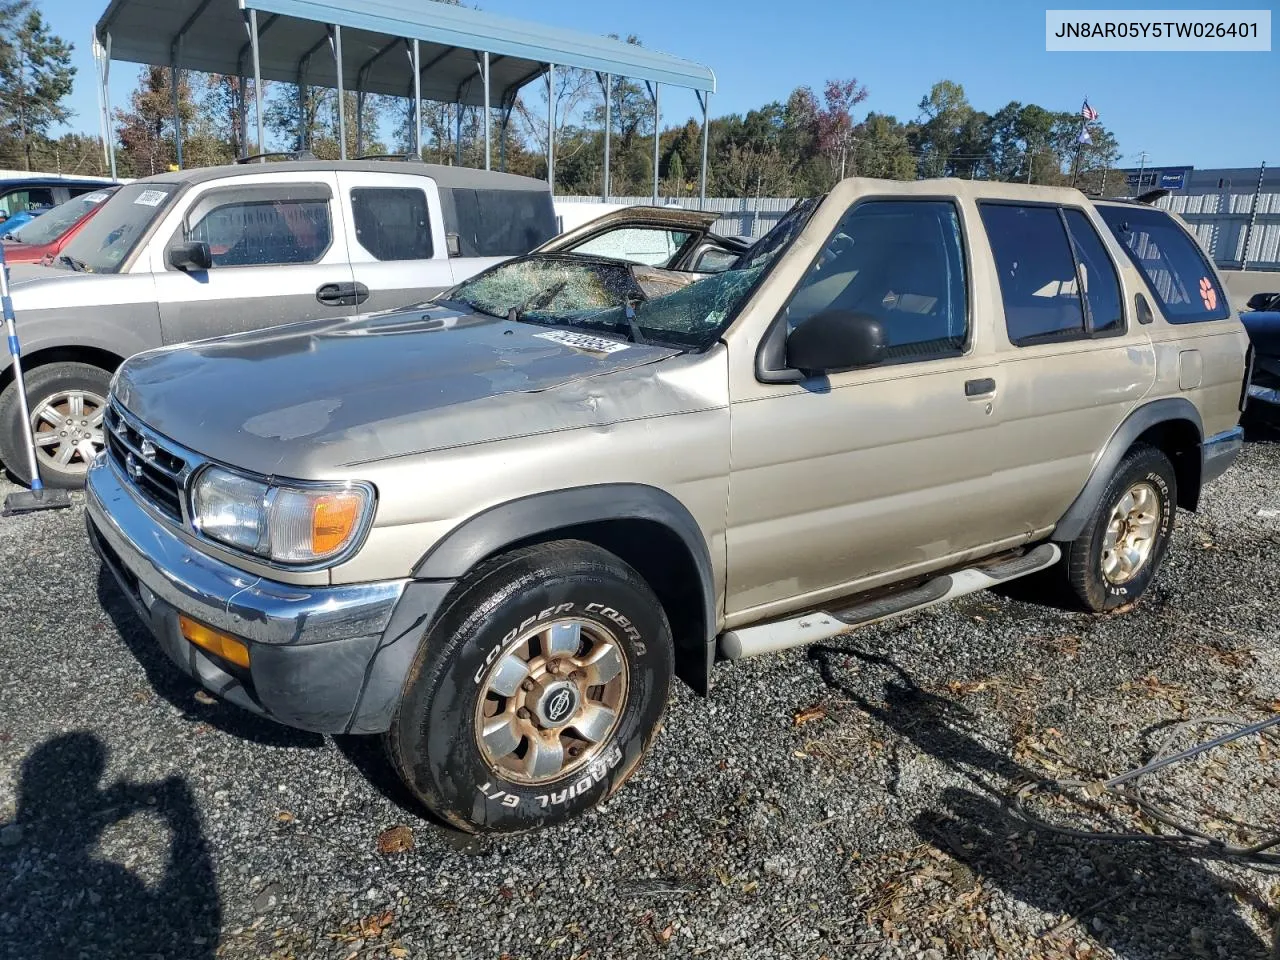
[[153, 471]]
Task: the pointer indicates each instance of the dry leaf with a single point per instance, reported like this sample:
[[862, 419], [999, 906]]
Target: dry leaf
[[372, 927], [284, 816], [207, 699], [809, 714], [398, 952], [395, 840], [666, 934]]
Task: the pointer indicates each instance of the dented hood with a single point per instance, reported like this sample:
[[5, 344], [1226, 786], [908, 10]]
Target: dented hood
[[303, 399]]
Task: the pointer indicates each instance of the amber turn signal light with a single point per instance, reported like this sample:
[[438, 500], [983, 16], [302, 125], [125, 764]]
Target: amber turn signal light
[[215, 641]]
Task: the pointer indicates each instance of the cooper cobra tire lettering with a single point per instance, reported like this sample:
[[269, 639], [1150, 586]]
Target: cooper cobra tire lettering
[[514, 632]]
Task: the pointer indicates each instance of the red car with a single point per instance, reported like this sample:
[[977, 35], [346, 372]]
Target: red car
[[47, 234]]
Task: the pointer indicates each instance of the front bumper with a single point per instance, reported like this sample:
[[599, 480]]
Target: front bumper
[[329, 659]]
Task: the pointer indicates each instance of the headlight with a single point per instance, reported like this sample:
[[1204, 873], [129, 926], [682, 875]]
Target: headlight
[[283, 523]]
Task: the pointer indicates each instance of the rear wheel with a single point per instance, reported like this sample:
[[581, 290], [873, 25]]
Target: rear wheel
[[67, 403], [538, 691], [1114, 561]]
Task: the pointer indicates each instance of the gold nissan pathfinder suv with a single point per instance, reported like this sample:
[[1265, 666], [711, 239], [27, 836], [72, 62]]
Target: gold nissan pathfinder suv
[[493, 526]]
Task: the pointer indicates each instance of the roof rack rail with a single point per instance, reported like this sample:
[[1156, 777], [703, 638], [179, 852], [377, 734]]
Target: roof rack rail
[[404, 157], [280, 155]]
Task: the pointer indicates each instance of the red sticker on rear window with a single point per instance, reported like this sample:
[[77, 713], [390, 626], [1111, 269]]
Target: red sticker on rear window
[[1208, 294]]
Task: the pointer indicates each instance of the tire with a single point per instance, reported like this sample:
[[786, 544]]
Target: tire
[[464, 700], [1102, 578], [56, 392]]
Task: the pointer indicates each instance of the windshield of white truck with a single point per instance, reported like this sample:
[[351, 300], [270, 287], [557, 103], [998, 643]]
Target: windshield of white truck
[[107, 240]]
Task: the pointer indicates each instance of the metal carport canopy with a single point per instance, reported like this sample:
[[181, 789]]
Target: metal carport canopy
[[410, 48], [214, 40]]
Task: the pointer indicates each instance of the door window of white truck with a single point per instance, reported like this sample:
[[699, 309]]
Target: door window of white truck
[[265, 232]]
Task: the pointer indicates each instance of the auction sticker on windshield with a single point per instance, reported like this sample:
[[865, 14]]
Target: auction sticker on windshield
[[95, 197], [583, 341], [151, 198]]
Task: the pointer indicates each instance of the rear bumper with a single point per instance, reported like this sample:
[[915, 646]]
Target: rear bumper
[[1219, 452], [325, 659]]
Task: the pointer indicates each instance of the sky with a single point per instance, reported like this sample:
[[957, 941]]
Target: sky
[[1198, 109]]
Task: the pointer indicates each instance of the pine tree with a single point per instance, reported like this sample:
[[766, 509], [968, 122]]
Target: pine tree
[[35, 76]]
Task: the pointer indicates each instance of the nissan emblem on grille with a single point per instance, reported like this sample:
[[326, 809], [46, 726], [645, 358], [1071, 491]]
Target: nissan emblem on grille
[[148, 449]]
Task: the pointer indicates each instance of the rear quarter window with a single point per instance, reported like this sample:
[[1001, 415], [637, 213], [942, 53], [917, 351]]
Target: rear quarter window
[[1172, 263], [499, 223]]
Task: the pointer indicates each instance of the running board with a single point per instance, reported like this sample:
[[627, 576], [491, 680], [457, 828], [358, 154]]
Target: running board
[[823, 624]]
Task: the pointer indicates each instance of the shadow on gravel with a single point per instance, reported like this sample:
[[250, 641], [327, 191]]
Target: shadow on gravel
[[179, 689], [60, 896], [1142, 901]]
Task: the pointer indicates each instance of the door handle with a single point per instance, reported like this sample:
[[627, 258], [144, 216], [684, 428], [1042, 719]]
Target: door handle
[[340, 294], [983, 387]]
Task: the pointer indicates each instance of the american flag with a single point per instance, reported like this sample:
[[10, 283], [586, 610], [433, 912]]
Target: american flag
[[1088, 112]]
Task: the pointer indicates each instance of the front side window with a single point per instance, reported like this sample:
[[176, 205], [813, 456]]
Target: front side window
[[901, 262], [261, 233], [392, 223], [1171, 261], [650, 246]]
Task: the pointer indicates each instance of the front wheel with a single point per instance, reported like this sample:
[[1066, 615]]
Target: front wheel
[[1114, 561], [537, 693], [67, 403]]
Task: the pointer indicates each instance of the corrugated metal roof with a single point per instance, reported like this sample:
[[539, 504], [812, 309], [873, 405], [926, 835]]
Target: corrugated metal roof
[[294, 34]]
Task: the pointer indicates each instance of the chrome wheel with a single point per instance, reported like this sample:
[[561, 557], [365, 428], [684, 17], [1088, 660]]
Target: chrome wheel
[[1131, 533], [551, 702], [68, 429]]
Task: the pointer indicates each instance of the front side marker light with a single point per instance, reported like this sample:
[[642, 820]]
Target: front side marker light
[[220, 644]]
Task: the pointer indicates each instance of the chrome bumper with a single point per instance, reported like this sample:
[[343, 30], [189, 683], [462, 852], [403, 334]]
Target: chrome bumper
[[311, 648]]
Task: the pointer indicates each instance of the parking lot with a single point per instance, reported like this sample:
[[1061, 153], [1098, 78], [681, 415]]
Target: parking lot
[[846, 800]]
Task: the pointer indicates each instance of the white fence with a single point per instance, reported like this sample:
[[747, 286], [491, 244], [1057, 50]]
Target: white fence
[[745, 217]]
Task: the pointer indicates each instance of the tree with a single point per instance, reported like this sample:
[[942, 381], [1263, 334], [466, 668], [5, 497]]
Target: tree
[[946, 125], [146, 131], [881, 149], [35, 77], [835, 122]]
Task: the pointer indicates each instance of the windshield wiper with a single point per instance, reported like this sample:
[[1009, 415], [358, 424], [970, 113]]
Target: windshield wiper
[[72, 262]]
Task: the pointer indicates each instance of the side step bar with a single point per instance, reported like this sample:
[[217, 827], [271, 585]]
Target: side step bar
[[823, 625]]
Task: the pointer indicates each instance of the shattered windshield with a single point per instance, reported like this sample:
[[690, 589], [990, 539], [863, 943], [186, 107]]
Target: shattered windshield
[[546, 285], [631, 300]]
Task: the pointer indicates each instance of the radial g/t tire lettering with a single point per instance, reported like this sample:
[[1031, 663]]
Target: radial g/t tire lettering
[[537, 692]]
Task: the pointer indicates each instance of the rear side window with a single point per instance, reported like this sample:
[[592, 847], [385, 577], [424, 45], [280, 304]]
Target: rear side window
[[1171, 261], [1103, 312], [265, 233], [392, 223], [499, 223], [650, 246], [1056, 280], [1037, 272]]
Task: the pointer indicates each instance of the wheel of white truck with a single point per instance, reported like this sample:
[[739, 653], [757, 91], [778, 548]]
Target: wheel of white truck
[[1114, 561], [538, 691], [67, 402]]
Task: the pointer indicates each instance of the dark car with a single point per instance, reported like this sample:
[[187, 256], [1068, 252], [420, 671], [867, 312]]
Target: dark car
[[40, 193], [45, 236], [1262, 320]]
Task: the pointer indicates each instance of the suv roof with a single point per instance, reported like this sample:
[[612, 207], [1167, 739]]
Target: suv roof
[[444, 176]]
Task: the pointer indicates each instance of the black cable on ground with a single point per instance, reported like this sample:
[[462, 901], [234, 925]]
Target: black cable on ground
[[1127, 788]]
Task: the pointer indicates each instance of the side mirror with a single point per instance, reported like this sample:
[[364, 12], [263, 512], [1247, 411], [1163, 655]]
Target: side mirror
[[1264, 301], [190, 255], [451, 245], [836, 340]]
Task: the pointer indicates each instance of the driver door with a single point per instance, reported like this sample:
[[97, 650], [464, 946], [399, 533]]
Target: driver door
[[856, 477]]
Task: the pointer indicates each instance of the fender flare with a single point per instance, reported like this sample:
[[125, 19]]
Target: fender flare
[[1137, 423], [539, 514]]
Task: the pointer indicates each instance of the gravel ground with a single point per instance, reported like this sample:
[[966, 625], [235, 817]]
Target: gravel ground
[[844, 801]]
